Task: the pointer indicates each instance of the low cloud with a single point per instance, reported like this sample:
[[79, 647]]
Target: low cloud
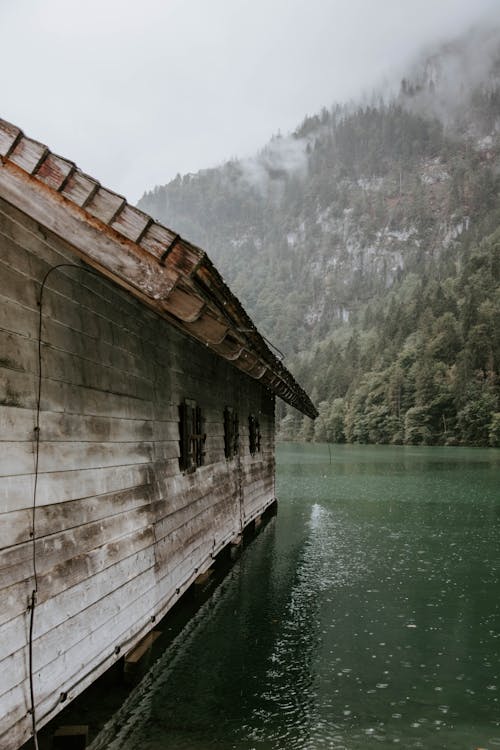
[[282, 157], [441, 82]]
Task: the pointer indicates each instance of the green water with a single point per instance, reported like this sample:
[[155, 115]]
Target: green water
[[367, 614]]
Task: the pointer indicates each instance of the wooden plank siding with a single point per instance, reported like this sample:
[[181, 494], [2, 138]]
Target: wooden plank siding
[[120, 531]]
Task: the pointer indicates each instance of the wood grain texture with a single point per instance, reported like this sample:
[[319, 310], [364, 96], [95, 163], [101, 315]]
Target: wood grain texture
[[28, 154], [120, 531], [111, 254], [131, 249], [105, 205], [131, 222], [9, 134], [80, 188], [54, 171]]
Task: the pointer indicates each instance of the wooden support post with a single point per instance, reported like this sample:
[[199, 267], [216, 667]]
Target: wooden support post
[[136, 654], [235, 547], [203, 578], [136, 659], [202, 583], [272, 509], [71, 737], [248, 531]]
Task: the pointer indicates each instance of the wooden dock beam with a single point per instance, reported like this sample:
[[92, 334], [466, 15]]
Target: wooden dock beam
[[235, 547], [203, 578], [71, 737], [135, 660]]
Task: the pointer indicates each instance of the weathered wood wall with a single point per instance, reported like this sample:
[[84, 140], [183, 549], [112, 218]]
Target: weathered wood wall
[[120, 531]]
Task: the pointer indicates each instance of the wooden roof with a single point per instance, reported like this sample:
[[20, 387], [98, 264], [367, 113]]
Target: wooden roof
[[164, 271]]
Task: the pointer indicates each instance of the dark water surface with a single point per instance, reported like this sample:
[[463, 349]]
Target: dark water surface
[[366, 615]]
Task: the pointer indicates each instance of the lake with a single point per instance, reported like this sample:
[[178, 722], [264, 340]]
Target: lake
[[366, 614]]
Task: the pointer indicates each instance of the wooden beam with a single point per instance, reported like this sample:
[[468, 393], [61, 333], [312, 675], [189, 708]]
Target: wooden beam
[[183, 305], [94, 241], [208, 328], [137, 653], [71, 737], [204, 578]]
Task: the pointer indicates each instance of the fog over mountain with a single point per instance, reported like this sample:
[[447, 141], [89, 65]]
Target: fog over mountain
[[366, 245], [135, 93]]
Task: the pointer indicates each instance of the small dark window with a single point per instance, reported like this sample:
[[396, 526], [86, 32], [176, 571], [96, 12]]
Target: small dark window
[[231, 433], [192, 435], [254, 434]]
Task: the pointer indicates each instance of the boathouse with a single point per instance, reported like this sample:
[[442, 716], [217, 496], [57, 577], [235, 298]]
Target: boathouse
[[136, 426]]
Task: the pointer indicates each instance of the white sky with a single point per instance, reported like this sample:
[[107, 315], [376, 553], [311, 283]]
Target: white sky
[[136, 92]]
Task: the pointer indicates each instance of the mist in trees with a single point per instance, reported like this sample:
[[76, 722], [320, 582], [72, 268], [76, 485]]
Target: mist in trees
[[372, 259]]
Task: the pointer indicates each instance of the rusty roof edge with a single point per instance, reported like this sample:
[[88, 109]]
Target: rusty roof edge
[[226, 302], [256, 342]]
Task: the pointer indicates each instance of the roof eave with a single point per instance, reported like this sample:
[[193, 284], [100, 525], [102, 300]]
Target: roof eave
[[165, 272]]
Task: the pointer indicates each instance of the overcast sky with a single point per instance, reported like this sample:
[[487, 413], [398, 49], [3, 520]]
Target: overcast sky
[[136, 92]]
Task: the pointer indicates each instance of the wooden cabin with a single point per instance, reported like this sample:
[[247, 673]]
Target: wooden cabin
[[136, 427]]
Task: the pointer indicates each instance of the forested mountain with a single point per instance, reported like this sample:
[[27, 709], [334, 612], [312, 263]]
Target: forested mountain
[[366, 245]]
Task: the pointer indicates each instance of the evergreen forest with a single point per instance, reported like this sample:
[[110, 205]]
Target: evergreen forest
[[366, 246]]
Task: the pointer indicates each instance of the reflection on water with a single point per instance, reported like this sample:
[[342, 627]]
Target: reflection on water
[[367, 613]]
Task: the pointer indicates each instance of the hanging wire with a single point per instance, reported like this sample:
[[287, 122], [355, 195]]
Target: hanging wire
[[281, 356], [34, 593]]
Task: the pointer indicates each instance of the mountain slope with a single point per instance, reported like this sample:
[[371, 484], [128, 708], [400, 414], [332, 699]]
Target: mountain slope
[[365, 245]]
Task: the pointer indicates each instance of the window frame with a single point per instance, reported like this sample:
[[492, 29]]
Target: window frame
[[231, 433], [192, 436], [254, 434]]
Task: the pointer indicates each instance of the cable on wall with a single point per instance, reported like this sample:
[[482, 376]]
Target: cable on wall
[[280, 354], [34, 593]]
